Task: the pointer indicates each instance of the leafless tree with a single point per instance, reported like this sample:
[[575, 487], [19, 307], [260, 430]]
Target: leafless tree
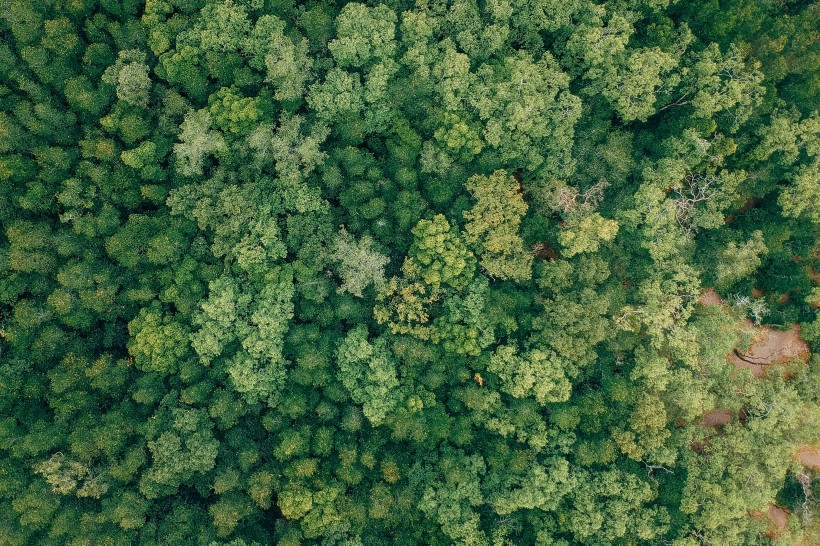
[[805, 482], [569, 199], [696, 188]]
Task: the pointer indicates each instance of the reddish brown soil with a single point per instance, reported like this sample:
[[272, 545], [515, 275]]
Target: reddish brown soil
[[767, 347], [808, 456], [716, 418], [770, 347], [710, 297], [778, 519]]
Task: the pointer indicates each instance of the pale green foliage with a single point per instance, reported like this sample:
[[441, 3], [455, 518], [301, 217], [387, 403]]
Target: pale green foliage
[[464, 328], [586, 233], [723, 82], [368, 372], [739, 261], [339, 95], [293, 146], [221, 27], [242, 219], [363, 35], [360, 265], [628, 78], [452, 72], [528, 112], [459, 138], [542, 487], [632, 84], [158, 343], [185, 446], [801, 198], [782, 135], [197, 141], [439, 255], [610, 505], [576, 311], [365, 40], [259, 322], [645, 434], [596, 44], [66, 476], [535, 373], [141, 156], [295, 502], [232, 112], [286, 62], [493, 223], [797, 145], [451, 498], [130, 76]]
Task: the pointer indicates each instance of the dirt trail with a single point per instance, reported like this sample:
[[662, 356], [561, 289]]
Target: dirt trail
[[808, 456], [778, 517], [716, 418], [768, 346], [710, 297]]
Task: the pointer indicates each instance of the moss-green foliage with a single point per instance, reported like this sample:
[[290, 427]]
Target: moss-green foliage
[[405, 273]]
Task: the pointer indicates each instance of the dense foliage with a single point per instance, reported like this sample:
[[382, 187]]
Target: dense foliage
[[405, 272]]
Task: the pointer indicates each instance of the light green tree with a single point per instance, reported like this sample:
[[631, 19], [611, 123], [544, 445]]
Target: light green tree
[[535, 373], [360, 265], [738, 261], [197, 142], [368, 372], [492, 227], [130, 76], [586, 233]]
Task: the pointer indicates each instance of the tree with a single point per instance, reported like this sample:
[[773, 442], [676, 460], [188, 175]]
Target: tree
[[586, 233], [287, 63], [529, 115], [363, 35], [438, 256], [493, 223], [719, 83], [159, 342], [181, 445], [450, 498], [438, 261], [613, 504], [293, 146], [130, 76], [360, 265], [197, 141], [232, 113], [800, 198], [258, 321], [368, 372], [739, 261], [535, 373]]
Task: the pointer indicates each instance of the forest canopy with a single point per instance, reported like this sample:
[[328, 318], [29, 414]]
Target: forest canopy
[[409, 272]]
